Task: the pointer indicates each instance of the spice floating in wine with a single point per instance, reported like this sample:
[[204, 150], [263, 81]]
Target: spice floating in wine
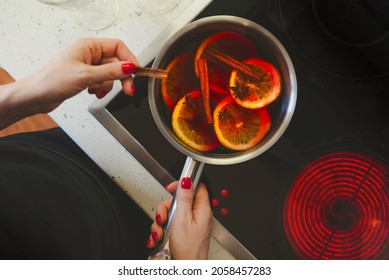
[[232, 62], [231, 44], [255, 93]]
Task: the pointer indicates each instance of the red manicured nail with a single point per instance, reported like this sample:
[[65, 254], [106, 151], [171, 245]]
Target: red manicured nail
[[91, 91], [154, 235], [148, 242], [128, 68], [132, 90], [186, 183], [101, 94], [158, 219]]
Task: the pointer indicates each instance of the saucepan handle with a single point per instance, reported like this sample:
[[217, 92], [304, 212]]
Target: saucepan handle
[[193, 170]]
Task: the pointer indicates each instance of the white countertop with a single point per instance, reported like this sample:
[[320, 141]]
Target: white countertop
[[32, 32]]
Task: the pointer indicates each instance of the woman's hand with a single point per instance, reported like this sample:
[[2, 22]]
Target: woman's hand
[[87, 63], [191, 228]]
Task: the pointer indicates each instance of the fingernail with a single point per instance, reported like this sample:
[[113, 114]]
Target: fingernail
[[132, 90], [158, 218], [128, 68], [154, 235], [101, 94], [186, 183], [91, 91], [148, 242]]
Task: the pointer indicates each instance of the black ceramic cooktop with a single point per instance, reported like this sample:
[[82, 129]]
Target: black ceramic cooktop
[[321, 192]]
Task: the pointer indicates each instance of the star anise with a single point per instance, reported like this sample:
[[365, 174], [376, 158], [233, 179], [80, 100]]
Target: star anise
[[188, 100], [224, 115], [240, 90]]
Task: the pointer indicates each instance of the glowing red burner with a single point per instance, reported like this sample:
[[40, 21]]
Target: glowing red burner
[[338, 208]]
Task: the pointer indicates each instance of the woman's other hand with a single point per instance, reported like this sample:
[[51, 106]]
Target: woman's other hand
[[191, 228], [87, 63]]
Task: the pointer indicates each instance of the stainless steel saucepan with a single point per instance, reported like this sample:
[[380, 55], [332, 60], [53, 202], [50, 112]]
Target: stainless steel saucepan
[[281, 111]]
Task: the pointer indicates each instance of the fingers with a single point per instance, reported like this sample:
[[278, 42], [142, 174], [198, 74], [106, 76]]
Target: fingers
[[193, 210], [101, 81], [201, 207], [193, 207], [114, 61], [202, 197], [116, 48], [128, 86], [161, 217], [109, 60], [102, 48], [172, 187], [101, 89], [184, 200]]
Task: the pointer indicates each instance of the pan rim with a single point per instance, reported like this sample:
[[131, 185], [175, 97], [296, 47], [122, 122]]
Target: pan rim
[[288, 106]]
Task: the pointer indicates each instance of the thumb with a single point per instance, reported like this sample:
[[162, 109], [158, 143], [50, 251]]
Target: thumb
[[184, 199], [112, 71]]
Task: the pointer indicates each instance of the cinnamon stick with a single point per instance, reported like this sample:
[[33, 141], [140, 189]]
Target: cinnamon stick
[[150, 72], [204, 87], [233, 63]]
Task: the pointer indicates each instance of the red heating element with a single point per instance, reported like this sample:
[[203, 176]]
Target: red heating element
[[338, 208]]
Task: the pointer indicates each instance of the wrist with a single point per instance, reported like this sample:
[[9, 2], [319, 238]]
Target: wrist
[[16, 102]]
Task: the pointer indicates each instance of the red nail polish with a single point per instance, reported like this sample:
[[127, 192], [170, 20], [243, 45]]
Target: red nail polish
[[128, 68], [154, 235], [91, 91], [132, 90], [148, 242], [186, 183], [158, 219], [101, 94]]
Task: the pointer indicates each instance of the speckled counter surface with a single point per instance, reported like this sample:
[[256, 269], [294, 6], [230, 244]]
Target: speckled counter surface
[[32, 32]]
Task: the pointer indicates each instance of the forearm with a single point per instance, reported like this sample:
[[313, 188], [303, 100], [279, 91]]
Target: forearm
[[89, 63], [17, 101]]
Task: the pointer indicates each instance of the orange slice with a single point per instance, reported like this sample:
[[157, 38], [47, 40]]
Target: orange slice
[[190, 124], [181, 79], [238, 128], [256, 94], [231, 44]]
